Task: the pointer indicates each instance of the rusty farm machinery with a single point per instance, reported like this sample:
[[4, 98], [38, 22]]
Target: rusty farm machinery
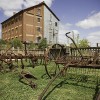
[[9, 61], [77, 60], [56, 55]]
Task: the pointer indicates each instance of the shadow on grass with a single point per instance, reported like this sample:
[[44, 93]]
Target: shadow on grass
[[57, 86], [65, 82], [97, 93], [21, 80]]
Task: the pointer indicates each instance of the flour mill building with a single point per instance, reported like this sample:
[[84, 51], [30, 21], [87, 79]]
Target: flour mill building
[[32, 24]]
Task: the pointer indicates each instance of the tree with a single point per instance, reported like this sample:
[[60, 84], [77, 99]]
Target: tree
[[72, 45], [32, 45], [16, 43], [2, 43], [83, 43], [43, 44]]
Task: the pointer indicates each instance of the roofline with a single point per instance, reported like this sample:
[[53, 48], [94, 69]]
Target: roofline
[[51, 11], [13, 16], [42, 3]]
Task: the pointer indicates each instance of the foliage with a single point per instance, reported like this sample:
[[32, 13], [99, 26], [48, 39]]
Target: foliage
[[83, 43], [2, 43], [72, 45], [16, 43], [42, 44], [32, 46]]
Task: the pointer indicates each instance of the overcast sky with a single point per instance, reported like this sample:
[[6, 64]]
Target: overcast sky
[[80, 16]]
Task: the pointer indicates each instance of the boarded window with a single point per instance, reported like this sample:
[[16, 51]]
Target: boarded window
[[56, 24], [38, 19], [38, 29], [38, 11]]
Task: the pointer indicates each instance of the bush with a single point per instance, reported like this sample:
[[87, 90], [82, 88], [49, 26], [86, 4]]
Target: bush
[[43, 44], [2, 43], [16, 43]]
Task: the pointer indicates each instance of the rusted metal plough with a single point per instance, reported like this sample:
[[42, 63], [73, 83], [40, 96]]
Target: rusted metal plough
[[72, 61], [80, 60], [28, 76], [9, 59]]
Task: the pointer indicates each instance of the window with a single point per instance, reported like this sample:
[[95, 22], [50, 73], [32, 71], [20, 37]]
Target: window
[[38, 29], [20, 17], [12, 31], [55, 23], [12, 22], [8, 24], [50, 17], [5, 25], [38, 19], [16, 30], [9, 31], [2, 26], [16, 20], [38, 11], [38, 39], [6, 33]]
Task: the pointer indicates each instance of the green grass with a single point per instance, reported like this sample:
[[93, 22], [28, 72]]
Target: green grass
[[69, 89]]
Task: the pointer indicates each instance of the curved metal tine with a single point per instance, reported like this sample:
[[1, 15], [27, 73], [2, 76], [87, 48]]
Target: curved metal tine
[[74, 44]]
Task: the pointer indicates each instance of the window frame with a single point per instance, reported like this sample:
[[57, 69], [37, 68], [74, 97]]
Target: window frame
[[38, 29]]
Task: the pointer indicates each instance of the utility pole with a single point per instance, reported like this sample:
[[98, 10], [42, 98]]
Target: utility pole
[[77, 38], [73, 36]]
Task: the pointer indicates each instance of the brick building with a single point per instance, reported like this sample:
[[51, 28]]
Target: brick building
[[32, 24]]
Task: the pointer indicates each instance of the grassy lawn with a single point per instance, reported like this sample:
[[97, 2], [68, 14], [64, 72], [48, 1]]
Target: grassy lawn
[[70, 87]]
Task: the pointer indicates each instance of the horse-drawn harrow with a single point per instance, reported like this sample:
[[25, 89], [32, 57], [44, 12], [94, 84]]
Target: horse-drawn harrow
[[77, 61], [11, 60], [58, 55]]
